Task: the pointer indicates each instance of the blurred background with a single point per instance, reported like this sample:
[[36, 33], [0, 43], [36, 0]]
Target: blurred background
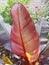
[[38, 9]]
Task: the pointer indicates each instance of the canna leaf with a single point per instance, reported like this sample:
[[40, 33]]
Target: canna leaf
[[24, 37]]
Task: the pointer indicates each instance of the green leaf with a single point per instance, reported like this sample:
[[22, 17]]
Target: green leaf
[[48, 36], [6, 11]]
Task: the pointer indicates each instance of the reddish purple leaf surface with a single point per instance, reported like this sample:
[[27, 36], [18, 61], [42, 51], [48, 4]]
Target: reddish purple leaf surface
[[24, 37]]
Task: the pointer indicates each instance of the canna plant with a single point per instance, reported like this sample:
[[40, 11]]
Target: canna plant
[[24, 37]]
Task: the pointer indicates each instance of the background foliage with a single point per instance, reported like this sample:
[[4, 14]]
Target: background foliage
[[36, 14], [6, 10]]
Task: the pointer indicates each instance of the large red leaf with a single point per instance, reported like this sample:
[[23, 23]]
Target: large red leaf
[[24, 38]]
